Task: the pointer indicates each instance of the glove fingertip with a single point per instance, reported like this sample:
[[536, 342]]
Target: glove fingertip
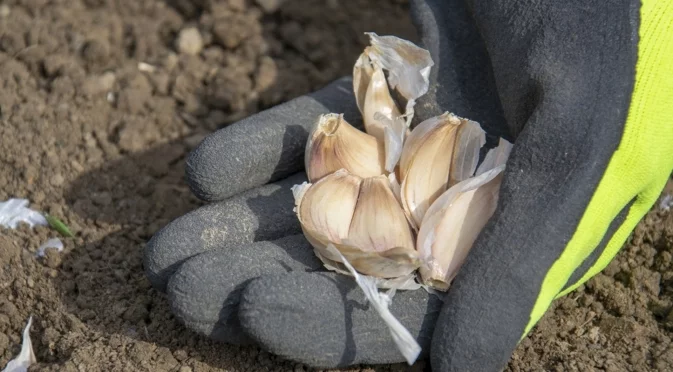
[[218, 167], [264, 147]]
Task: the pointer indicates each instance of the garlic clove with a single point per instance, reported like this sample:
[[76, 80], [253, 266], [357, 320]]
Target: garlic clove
[[425, 163], [423, 131], [450, 229], [455, 219], [446, 144], [378, 101], [381, 116], [325, 208], [379, 223], [408, 66], [380, 111], [362, 219], [334, 144], [470, 139], [362, 74]]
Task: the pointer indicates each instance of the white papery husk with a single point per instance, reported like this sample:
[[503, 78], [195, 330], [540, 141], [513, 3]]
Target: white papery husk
[[408, 67], [15, 211], [405, 342]]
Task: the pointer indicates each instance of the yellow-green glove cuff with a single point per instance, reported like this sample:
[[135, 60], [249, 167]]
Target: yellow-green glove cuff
[[639, 168]]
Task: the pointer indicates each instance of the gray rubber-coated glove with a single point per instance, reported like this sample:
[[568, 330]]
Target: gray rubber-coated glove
[[555, 77]]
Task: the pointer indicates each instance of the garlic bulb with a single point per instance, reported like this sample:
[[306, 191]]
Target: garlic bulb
[[362, 219], [393, 202], [394, 207], [334, 144]]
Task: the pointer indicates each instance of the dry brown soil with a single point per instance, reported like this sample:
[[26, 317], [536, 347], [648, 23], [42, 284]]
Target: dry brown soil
[[89, 135]]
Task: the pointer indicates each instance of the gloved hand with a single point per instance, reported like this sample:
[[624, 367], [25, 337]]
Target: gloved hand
[[581, 89]]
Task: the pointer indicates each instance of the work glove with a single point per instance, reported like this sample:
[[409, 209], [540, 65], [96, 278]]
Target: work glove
[[585, 92]]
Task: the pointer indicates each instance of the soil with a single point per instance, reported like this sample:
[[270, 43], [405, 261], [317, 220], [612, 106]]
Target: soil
[[100, 102]]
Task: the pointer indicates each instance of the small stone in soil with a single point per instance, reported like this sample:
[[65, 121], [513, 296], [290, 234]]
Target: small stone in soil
[[189, 41]]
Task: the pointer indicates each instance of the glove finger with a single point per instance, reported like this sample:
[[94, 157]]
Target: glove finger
[[461, 81], [204, 292], [324, 320], [264, 213], [264, 147]]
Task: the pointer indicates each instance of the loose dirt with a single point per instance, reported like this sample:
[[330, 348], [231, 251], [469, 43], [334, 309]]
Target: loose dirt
[[100, 100]]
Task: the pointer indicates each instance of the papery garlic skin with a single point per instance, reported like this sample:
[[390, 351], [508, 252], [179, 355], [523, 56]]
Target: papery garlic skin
[[334, 144], [437, 153], [362, 219], [394, 134], [394, 263], [456, 218], [408, 67], [495, 157]]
